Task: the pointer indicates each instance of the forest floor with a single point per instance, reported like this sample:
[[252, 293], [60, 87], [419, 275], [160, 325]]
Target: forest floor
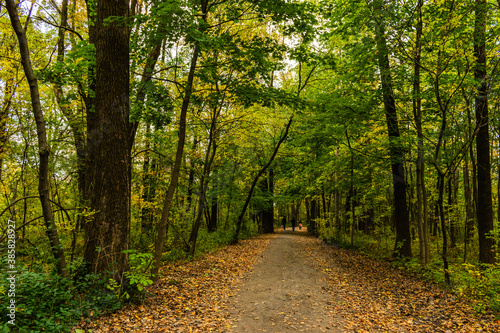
[[291, 282]]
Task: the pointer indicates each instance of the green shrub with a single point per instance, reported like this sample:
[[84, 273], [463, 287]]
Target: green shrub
[[49, 303], [42, 301], [480, 285]]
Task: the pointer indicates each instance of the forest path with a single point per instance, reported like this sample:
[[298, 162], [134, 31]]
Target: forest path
[[301, 284], [285, 291], [290, 282]]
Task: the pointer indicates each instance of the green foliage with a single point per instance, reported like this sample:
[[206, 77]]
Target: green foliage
[[139, 264], [45, 301], [479, 284], [211, 241]]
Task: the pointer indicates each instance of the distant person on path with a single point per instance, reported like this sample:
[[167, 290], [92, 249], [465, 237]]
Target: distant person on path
[[293, 223], [300, 225], [283, 223]]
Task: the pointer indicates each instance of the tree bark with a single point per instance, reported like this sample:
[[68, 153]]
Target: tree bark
[[174, 178], [484, 202], [402, 220], [441, 180], [43, 147], [108, 177], [268, 210], [421, 209], [469, 211]]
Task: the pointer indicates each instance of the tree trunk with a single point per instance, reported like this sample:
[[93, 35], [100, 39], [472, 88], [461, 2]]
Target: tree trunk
[[498, 185], [338, 222], [469, 211], [4, 115], [207, 165], [421, 209], [214, 212], [268, 212], [313, 215], [76, 125], [256, 179], [484, 202], [451, 210], [43, 147], [402, 220], [441, 181], [108, 171], [174, 178]]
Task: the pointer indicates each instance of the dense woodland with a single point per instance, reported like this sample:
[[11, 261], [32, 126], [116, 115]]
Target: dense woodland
[[134, 133]]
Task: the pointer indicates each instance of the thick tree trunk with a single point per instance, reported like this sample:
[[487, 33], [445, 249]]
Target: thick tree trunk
[[484, 202], [43, 147], [402, 220], [108, 176]]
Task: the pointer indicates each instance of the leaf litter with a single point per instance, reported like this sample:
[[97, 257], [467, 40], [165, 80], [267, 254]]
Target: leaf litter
[[192, 296], [373, 296], [367, 295]]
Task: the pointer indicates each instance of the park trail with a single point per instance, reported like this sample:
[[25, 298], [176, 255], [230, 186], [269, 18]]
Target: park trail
[[286, 291], [291, 281]]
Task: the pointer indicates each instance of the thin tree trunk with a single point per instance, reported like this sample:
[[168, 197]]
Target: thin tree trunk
[[76, 125], [4, 115], [498, 184], [469, 211], [441, 181], [421, 209], [207, 165], [484, 202], [214, 212], [451, 211], [268, 213], [402, 220], [312, 226], [162, 224], [256, 179], [338, 222], [43, 147]]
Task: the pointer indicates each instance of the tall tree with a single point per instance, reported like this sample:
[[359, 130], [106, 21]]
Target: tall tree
[[43, 146], [402, 219], [421, 209], [484, 202], [108, 175]]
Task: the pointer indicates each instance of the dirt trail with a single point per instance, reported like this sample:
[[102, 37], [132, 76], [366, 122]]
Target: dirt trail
[[285, 291], [291, 282]]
